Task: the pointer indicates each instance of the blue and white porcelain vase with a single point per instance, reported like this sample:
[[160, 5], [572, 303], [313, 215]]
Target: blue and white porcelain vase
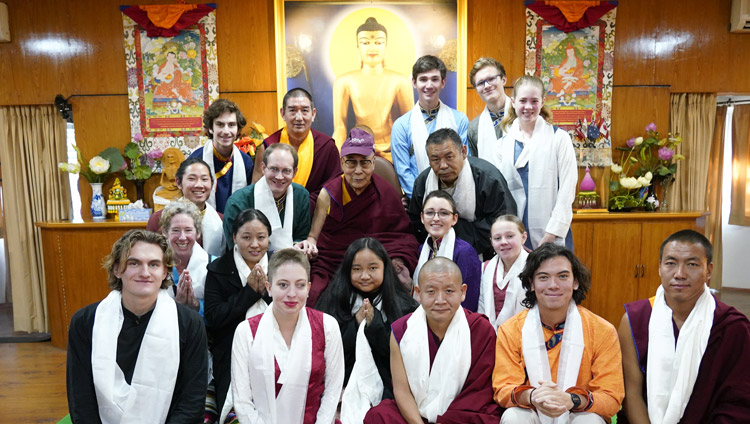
[[98, 208]]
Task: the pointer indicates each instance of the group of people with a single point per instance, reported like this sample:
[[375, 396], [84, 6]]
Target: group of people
[[303, 287]]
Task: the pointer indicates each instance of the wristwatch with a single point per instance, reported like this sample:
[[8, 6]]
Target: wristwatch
[[576, 401]]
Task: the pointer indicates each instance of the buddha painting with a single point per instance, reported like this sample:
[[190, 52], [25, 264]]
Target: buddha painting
[[377, 95]]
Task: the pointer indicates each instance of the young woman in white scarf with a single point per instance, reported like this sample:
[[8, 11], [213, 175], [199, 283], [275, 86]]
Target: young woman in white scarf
[[438, 217], [236, 290], [539, 165], [501, 294], [287, 363], [366, 297]]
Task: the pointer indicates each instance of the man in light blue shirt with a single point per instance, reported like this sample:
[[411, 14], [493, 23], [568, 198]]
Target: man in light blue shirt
[[411, 130]]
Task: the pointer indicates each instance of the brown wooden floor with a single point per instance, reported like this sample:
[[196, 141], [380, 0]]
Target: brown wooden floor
[[33, 375], [33, 383]]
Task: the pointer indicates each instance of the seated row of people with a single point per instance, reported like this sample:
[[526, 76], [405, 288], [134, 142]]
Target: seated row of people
[[555, 361]]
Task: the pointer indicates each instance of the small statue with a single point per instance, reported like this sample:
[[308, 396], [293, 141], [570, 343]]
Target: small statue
[[118, 199], [168, 190]]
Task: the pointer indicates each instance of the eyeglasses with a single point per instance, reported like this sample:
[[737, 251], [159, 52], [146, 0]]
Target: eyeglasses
[[352, 163], [285, 172], [491, 80], [443, 214]]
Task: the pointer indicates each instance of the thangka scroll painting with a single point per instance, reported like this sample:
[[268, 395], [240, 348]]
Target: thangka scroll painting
[[570, 46], [172, 73]]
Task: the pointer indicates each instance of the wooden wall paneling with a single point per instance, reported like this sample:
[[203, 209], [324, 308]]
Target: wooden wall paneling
[[617, 280], [245, 40], [583, 240], [257, 107]]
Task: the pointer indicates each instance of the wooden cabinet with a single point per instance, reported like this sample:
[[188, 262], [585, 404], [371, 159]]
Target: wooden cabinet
[[622, 252], [74, 277]]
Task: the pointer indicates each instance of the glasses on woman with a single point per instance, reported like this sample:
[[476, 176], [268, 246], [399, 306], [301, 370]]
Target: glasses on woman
[[491, 80], [442, 213], [352, 163]]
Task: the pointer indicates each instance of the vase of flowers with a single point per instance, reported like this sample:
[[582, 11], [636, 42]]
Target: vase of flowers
[[95, 171], [643, 162], [139, 167]]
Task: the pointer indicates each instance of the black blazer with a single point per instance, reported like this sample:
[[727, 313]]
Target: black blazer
[[226, 302]]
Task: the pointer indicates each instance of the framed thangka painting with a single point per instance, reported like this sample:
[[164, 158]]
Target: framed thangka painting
[[571, 48], [355, 58], [170, 53]]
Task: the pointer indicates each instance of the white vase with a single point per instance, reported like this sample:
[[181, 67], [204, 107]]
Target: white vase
[[98, 208]]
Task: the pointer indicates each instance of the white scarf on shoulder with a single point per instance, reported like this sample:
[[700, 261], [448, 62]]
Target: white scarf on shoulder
[[536, 359], [465, 195], [289, 405], [281, 234], [365, 387], [671, 371], [239, 179], [419, 132], [212, 231], [488, 146], [149, 395], [243, 271], [435, 390], [514, 294], [445, 250], [197, 267]]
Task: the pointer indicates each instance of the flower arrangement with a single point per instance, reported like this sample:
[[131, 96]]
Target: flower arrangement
[[96, 169], [642, 161], [139, 166], [248, 143]]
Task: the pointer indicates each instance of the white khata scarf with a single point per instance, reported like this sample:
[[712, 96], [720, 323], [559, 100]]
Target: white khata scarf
[[289, 405], [419, 132], [213, 232], [537, 361], [671, 371], [199, 260], [365, 387], [147, 398], [465, 195], [239, 179], [243, 271], [445, 250], [488, 146], [514, 294], [281, 234], [435, 390]]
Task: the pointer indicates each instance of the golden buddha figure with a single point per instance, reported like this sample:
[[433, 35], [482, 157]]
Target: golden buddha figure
[[168, 190], [378, 95]]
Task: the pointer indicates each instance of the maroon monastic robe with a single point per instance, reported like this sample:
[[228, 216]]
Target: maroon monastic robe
[[326, 163], [377, 212], [722, 389], [474, 404], [316, 383]]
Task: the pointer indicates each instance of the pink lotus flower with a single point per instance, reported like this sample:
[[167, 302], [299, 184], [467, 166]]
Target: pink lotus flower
[[138, 137], [630, 142], [154, 154], [651, 127], [665, 153]]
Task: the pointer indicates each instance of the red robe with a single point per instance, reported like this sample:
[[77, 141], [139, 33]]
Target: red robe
[[474, 404], [377, 212], [722, 389], [326, 163]]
